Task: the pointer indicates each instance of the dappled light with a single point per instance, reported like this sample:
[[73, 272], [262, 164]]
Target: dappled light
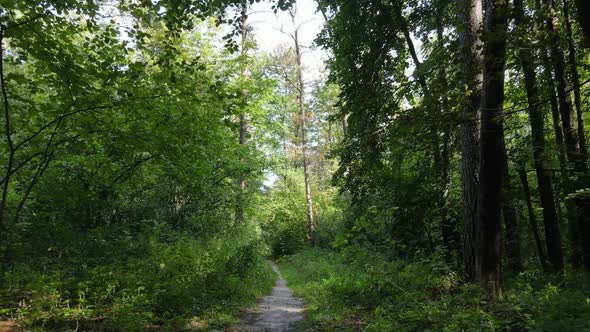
[[294, 165]]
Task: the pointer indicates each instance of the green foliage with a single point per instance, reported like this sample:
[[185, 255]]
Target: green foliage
[[283, 219], [358, 289], [155, 279], [120, 197]]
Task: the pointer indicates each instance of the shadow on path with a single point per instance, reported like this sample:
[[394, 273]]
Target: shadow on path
[[277, 312]]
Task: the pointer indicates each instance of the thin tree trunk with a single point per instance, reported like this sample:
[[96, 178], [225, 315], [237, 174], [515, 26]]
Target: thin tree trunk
[[565, 105], [11, 150], [488, 231], [244, 118], [510, 218], [576, 82], [574, 156], [565, 181], [441, 157], [449, 226], [583, 7], [40, 170], [532, 219], [550, 82], [308, 197], [552, 233], [471, 20]]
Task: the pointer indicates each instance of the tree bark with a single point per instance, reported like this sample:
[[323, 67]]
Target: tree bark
[[311, 233], [550, 83], [565, 105], [532, 219], [244, 118], [488, 230], [11, 150], [441, 154], [470, 20], [574, 156], [565, 180], [550, 220], [449, 229], [575, 81], [583, 7], [510, 218]]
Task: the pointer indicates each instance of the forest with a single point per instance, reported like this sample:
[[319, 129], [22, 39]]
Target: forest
[[412, 165]]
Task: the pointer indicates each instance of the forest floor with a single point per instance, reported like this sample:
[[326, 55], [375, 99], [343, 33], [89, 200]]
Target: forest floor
[[278, 312]]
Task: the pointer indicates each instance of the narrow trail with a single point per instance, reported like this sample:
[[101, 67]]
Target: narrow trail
[[277, 312]]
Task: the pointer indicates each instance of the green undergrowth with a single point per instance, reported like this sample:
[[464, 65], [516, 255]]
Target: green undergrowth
[[110, 280], [356, 289]]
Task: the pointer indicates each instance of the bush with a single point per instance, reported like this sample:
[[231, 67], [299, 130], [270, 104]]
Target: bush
[[356, 289], [160, 280]]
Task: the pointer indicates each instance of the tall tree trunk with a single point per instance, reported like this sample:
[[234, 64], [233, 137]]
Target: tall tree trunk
[[575, 81], [4, 228], [532, 219], [565, 181], [449, 225], [510, 218], [488, 269], [550, 220], [301, 87], [470, 20], [559, 141], [574, 156], [441, 155], [565, 104], [583, 7], [244, 118]]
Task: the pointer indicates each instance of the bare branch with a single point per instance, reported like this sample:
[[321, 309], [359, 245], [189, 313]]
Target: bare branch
[[27, 21], [82, 110]]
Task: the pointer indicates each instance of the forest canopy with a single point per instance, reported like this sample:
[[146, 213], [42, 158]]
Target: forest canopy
[[431, 175]]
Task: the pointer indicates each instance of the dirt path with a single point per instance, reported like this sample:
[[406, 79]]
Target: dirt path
[[277, 312]]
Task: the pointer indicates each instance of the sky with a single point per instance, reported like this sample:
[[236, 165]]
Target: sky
[[266, 29]]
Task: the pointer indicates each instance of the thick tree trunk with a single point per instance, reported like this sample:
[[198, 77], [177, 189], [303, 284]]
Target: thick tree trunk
[[471, 20], [488, 269], [552, 234]]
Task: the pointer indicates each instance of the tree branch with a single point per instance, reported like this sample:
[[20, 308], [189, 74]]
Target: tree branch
[[8, 132]]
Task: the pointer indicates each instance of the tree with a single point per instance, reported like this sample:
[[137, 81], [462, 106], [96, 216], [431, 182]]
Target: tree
[[488, 258], [302, 113], [470, 16], [584, 17], [576, 163], [243, 116], [553, 238]]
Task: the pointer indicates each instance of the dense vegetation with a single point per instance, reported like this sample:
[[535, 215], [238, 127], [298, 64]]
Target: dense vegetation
[[436, 178]]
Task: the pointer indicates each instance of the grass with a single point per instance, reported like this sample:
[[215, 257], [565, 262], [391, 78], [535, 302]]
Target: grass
[[165, 282], [355, 289]]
